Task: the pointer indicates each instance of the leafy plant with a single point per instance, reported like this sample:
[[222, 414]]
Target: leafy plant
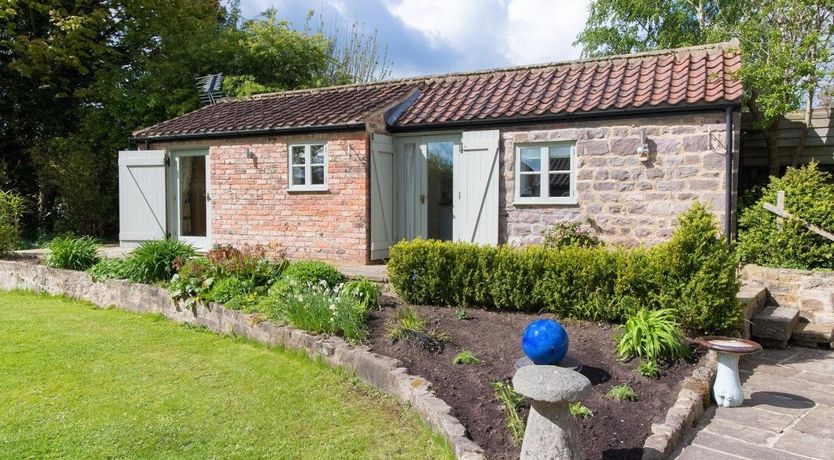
[[579, 410], [154, 260], [224, 289], [365, 291], [313, 271], [512, 403], [466, 357], [11, 208], [649, 369], [654, 335], [106, 269], [621, 393], [409, 327], [461, 313], [809, 194], [73, 252], [570, 234]]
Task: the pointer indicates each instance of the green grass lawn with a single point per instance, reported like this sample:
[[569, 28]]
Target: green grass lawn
[[81, 382]]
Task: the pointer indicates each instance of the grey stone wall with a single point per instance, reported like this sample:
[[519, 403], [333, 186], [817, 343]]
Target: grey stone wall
[[384, 373], [810, 291], [622, 199]]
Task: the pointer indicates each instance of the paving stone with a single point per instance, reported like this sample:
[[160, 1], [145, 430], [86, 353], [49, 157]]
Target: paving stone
[[701, 453], [741, 448], [742, 432], [777, 401], [752, 416], [806, 444], [775, 323], [817, 422], [813, 333]]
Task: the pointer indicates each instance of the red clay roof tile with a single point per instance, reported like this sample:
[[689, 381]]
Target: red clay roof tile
[[665, 78]]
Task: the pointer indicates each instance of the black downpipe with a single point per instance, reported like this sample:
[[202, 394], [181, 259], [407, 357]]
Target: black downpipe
[[728, 221]]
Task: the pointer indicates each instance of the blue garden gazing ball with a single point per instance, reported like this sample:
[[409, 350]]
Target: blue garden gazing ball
[[545, 342]]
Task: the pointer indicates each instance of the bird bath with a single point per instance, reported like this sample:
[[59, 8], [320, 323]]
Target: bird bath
[[727, 388]]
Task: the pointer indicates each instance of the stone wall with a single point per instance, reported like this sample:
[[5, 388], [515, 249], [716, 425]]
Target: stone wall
[[384, 373], [251, 202], [812, 292], [622, 199]]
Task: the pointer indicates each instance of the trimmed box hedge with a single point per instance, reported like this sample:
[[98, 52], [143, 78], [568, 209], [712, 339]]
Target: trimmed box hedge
[[695, 274]]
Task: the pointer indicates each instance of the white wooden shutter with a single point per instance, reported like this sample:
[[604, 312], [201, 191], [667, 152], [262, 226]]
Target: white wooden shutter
[[382, 195], [411, 192], [141, 196], [476, 188]]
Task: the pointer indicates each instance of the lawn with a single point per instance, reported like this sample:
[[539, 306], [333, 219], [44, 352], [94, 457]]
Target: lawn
[[82, 382]]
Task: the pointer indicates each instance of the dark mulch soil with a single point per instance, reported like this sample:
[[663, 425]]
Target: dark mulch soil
[[617, 430]]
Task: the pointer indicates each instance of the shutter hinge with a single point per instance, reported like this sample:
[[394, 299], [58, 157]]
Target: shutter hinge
[[167, 160]]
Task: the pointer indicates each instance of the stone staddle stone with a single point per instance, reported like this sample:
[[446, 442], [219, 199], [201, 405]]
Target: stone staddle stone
[[551, 430]]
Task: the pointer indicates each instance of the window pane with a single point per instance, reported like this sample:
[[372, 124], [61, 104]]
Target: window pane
[[559, 158], [317, 154], [559, 185], [298, 175], [531, 158], [297, 154], [530, 185], [317, 173]]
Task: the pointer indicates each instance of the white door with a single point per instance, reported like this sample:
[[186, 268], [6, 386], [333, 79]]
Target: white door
[[382, 195], [410, 198], [476, 187], [190, 197], [141, 196]]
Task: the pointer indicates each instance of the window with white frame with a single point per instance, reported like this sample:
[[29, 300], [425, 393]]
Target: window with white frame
[[545, 174], [308, 166]]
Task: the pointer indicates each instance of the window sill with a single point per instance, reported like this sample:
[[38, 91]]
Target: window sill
[[545, 202], [312, 188]]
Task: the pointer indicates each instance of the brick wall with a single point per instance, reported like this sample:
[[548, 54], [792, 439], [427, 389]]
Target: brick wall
[[624, 200], [251, 202]]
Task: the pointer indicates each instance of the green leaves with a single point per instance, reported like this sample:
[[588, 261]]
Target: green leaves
[[73, 252], [654, 335]]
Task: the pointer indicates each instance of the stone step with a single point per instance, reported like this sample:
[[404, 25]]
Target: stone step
[[813, 335], [773, 326], [752, 297]]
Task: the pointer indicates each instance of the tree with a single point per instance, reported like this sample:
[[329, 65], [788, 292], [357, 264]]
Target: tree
[[785, 46]]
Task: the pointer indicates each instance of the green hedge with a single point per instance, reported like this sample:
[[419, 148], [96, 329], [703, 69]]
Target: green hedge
[[694, 274]]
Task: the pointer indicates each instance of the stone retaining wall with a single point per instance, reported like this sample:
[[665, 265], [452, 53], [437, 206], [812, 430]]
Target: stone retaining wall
[[812, 292], [384, 373]]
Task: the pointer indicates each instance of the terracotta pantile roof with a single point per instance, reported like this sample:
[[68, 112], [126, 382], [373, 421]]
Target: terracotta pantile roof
[[325, 107], [670, 78]]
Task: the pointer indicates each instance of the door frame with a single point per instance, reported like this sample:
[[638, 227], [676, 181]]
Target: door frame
[[174, 220]]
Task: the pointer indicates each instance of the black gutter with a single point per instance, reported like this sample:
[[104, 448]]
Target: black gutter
[[728, 204], [602, 114], [252, 132]]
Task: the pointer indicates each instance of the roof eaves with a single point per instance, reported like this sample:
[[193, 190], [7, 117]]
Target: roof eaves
[[353, 125]]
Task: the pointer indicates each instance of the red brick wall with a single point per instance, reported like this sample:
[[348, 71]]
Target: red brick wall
[[251, 203]]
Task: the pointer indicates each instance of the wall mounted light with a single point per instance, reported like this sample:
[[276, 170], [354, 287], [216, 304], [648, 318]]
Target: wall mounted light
[[643, 148], [250, 154]]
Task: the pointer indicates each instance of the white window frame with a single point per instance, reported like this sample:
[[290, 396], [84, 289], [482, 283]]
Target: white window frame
[[544, 160], [308, 175]]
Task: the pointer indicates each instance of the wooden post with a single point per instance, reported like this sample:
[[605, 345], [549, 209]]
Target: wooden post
[[780, 205]]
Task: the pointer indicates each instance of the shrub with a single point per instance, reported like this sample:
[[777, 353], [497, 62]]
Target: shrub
[[224, 289], [193, 280], [313, 271], [512, 403], [73, 252], [579, 410], [154, 260], [649, 369], [11, 208], [106, 269], [654, 335], [249, 264], [695, 274], [466, 357], [809, 194], [621, 393], [363, 290], [409, 327], [570, 234]]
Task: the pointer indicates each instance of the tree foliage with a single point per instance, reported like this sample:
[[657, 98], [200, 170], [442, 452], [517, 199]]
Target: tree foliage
[[785, 46], [77, 77]]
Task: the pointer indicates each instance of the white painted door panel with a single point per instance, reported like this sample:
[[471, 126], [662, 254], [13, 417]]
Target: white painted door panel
[[382, 195], [142, 210], [411, 190], [476, 187]]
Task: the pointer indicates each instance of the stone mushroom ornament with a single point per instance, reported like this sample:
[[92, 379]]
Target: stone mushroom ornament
[[727, 388], [551, 432]]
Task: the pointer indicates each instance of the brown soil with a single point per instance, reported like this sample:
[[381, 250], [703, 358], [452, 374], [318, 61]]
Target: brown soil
[[616, 431]]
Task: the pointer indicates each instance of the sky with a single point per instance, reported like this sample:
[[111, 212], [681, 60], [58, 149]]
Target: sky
[[438, 36]]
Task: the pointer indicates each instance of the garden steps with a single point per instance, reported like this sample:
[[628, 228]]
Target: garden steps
[[813, 335], [773, 325]]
